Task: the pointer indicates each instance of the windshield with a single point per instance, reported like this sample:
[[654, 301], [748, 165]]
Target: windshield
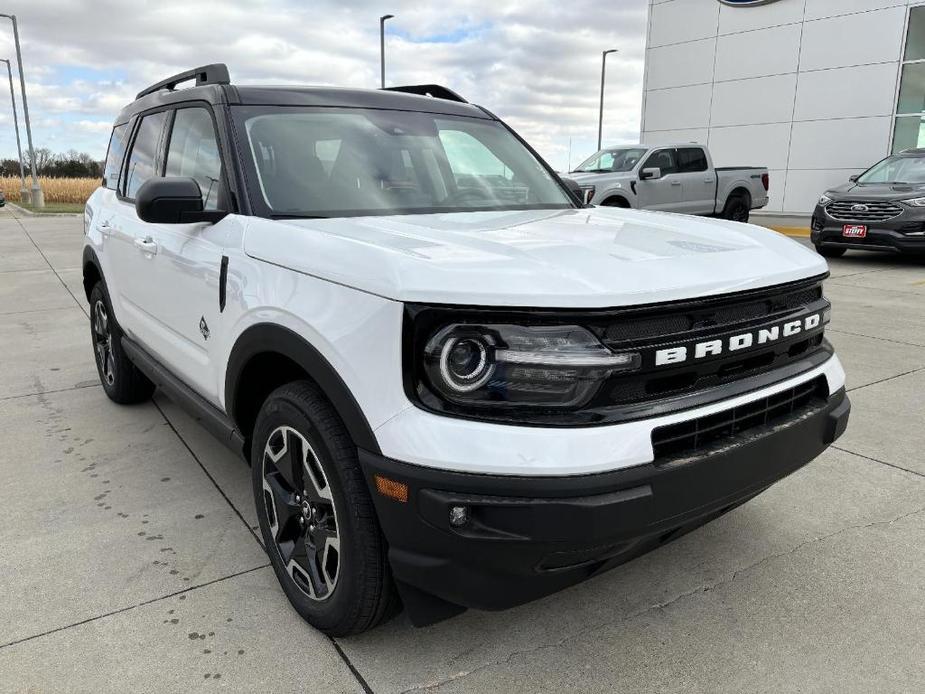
[[612, 160], [896, 170], [348, 162]]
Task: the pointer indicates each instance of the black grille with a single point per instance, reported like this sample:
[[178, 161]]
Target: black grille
[[696, 435], [719, 318], [863, 210], [716, 315]]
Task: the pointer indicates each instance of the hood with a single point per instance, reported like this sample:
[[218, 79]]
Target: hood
[[878, 191], [586, 177], [576, 258]]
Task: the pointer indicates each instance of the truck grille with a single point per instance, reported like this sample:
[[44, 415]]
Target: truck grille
[[696, 435], [719, 319], [863, 211]]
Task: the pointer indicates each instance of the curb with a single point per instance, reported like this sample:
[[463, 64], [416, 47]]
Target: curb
[[798, 232], [30, 213]]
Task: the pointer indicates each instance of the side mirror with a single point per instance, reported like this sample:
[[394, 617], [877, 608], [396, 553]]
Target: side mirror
[[574, 188], [653, 173], [172, 200], [854, 178]]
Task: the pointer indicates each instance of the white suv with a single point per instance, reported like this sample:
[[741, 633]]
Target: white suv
[[456, 386]]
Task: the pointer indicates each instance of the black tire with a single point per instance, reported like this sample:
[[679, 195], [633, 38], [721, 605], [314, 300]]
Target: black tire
[[737, 209], [353, 591], [830, 252], [615, 202], [121, 379]]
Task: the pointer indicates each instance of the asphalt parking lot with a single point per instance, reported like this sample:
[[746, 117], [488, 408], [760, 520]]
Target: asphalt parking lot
[[129, 561]]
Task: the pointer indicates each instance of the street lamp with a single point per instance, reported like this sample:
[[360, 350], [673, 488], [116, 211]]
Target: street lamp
[[38, 198], [382, 45], [23, 191], [600, 117]]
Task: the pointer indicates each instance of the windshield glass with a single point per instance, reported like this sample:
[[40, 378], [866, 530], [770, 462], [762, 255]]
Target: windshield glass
[[896, 170], [348, 162], [612, 160]]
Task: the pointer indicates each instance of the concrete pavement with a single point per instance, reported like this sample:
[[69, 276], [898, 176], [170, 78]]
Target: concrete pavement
[[128, 560]]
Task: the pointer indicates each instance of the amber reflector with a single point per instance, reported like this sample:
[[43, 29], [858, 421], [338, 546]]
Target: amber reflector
[[392, 489]]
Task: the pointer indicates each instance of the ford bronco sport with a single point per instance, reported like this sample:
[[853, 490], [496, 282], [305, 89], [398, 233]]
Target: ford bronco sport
[[456, 385]]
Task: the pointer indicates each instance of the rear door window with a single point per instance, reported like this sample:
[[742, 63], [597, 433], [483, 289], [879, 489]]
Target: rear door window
[[193, 153], [143, 161], [691, 160]]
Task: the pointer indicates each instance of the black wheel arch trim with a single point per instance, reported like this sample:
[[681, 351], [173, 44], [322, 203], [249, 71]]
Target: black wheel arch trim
[[90, 258], [269, 337]]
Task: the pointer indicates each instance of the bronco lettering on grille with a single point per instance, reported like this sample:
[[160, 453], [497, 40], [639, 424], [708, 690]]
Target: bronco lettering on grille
[[754, 338]]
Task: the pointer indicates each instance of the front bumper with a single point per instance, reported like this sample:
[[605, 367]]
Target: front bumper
[[904, 233], [530, 536]]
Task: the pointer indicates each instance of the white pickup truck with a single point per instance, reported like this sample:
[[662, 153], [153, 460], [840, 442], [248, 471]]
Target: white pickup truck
[[671, 178]]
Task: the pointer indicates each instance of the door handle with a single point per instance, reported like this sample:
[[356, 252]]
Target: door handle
[[146, 245], [708, 180], [676, 183]]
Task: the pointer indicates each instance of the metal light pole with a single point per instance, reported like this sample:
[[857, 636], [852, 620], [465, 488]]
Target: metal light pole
[[38, 198], [600, 117], [23, 191], [382, 46]]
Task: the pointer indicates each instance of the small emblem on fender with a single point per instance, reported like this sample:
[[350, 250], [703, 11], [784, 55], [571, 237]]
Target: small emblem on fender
[[204, 328]]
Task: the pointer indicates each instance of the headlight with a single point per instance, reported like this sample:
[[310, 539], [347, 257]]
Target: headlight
[[825, 200], [587, 193], [498, 365], [915, 202]]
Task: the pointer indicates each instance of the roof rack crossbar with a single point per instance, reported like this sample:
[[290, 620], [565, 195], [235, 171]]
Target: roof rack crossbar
[[216, 73], [434, 90]]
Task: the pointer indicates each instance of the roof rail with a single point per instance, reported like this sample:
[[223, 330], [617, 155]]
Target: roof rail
[[216, 73], [434, 90]]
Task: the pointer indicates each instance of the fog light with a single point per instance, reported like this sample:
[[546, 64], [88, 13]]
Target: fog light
[[459, 516]]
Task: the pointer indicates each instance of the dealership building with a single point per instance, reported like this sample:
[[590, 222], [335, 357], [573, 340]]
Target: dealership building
[[816, 90]]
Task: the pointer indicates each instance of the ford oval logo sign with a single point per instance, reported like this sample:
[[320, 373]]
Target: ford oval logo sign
[[746, 3]]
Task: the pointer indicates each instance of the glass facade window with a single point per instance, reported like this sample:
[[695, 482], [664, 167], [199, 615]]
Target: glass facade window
[[909, 125]]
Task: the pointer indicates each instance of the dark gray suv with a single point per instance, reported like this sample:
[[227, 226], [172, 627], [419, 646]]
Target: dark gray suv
[[883, 209]]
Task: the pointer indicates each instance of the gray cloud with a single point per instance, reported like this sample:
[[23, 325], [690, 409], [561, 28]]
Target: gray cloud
[[537, 64]]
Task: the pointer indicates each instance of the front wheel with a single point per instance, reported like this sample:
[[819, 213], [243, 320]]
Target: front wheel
[[316, 517], [830, 252]]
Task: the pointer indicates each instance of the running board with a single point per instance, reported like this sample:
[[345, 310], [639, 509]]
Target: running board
[[204, 412]]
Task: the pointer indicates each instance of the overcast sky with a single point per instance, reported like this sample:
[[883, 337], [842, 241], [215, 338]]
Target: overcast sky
[[535, 64]]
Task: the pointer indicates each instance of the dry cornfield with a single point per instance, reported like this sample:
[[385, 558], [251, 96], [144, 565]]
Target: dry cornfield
[[56, 189]]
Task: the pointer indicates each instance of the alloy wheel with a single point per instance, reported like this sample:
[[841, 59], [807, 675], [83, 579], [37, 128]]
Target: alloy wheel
[[300, 511], [103, 342]]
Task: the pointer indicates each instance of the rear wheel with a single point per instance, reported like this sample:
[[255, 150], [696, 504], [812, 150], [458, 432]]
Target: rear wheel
[[317, 520], [830, 252], [615, 202], [737, 209], [121, 379]]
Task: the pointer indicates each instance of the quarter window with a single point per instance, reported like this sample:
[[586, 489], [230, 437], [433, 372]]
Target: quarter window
[[193, 153], [114, 156], [142, 163]]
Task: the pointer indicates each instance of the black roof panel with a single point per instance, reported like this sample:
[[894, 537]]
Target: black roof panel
[[302, 96]]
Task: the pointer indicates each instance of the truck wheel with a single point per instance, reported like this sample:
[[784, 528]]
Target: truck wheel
[[317, 520], [737, 208], [615, 202], [121, 379], [830, 252]]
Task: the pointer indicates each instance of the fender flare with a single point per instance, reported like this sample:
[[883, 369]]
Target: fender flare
[[269, 337], [90, 258]]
